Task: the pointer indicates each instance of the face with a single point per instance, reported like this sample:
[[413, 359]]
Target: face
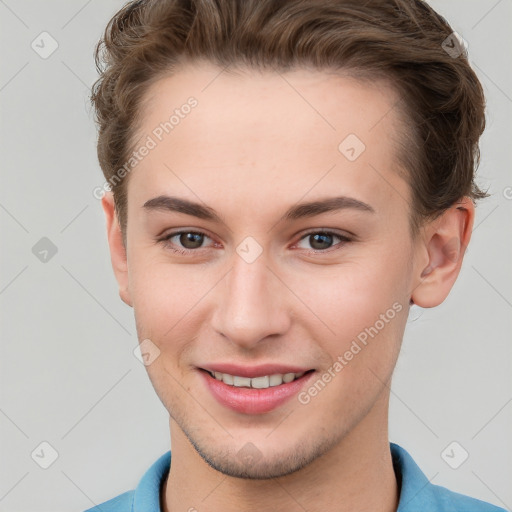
[[248, 282]]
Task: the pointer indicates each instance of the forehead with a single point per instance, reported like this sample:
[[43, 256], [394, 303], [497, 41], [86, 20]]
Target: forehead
[[250, 134]]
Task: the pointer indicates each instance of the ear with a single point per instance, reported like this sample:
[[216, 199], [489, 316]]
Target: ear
[[442, 249], [117, 248]]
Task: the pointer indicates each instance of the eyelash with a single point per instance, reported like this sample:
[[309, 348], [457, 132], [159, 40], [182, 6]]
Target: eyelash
[[166, 241]]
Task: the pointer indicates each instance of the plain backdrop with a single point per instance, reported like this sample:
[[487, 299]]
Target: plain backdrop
[[69, 377]]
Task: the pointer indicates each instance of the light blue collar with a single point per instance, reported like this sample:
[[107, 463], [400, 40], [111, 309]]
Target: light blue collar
[[416, 492]]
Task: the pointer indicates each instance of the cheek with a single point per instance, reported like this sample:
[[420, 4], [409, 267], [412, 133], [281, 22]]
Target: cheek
[[366, 318], [164, 294], [361, 301], [335, 302], [166, 299]]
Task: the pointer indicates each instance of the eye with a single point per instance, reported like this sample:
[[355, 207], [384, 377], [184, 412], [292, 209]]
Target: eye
[[190, 241], [321, 241]]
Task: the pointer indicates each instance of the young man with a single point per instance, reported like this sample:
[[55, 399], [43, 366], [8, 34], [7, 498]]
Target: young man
[[286, 179]]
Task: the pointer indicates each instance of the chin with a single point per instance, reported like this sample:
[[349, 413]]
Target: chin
[[261, 458]]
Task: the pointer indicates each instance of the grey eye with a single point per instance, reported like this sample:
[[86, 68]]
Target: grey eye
[[190, 240]]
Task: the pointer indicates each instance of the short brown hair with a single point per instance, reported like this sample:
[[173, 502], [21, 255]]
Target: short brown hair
[[402, 41]]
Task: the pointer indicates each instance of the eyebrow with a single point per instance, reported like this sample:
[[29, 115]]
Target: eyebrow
[[298, 211]]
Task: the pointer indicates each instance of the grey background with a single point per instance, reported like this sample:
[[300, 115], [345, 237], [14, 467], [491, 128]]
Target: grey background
[[68, 373]]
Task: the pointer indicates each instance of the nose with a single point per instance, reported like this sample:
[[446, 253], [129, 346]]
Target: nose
[[251, 304]]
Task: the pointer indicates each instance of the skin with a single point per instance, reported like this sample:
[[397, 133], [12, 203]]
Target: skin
[[253, 147]]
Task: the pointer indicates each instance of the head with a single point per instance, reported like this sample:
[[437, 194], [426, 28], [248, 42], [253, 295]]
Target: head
[[330, 149]]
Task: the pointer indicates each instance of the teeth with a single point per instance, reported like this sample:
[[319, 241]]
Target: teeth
[[275, 380], [241, 382], [263, 382], [227, 379], [260, 382]]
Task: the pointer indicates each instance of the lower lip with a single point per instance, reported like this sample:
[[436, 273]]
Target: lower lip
[[251, 400]]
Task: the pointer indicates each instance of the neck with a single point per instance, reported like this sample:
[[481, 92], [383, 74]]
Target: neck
[[357, 474]]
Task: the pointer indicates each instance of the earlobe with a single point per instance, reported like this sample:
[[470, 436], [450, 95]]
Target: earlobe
[[118, 254], [444, 243]]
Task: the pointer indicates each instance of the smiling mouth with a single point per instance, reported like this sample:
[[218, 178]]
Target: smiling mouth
[[262, 382]]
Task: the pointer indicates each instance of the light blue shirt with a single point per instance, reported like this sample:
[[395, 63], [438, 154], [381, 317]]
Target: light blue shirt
[[417, 494]]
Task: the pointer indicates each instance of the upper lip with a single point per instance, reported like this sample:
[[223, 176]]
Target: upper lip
[[253, 371]]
